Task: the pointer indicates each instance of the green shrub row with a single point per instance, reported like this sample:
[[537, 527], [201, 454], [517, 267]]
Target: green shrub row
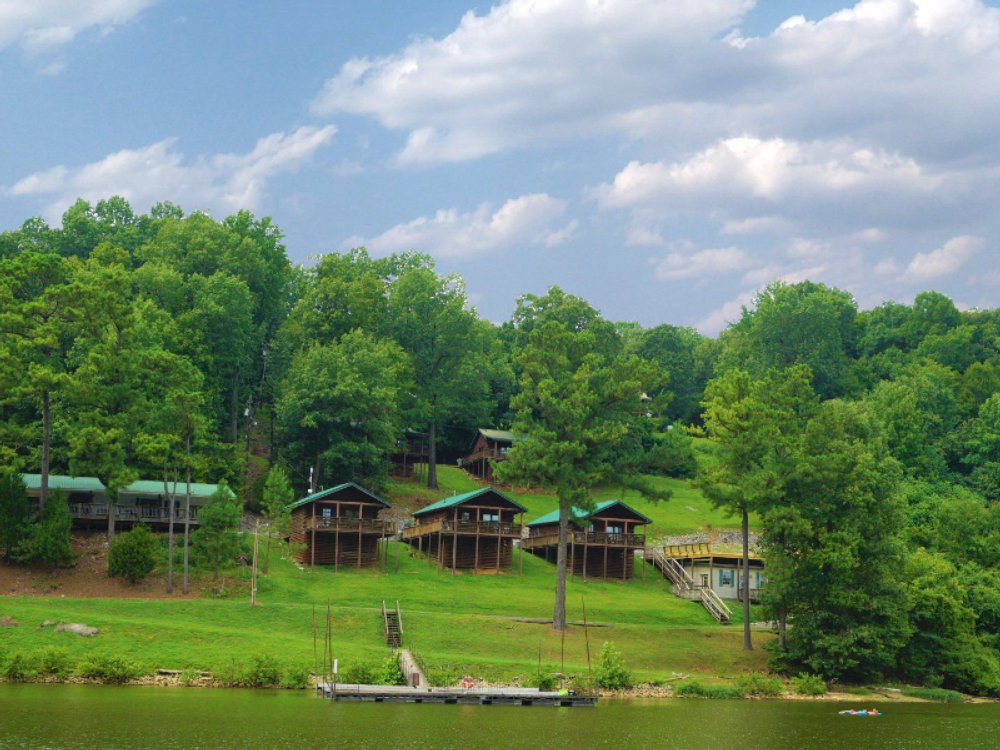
[[934, 694], [695, 689]]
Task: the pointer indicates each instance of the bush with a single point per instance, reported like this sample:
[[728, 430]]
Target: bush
[[545, 682], [391, 674], [295, 678], [114, 670], [611, 670], [189, 677], [230, 674], [133, 554], [47, 541], [934, 694], [55, 661], [857, 690], [809, 684], [759, 685], [358, 673], [697, 689], [19, 667], [15, 516], [262, 672]]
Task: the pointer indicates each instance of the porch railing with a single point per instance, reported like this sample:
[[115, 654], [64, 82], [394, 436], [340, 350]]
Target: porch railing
[[86, 511], [448, 525], [597, 538], [333, 523]]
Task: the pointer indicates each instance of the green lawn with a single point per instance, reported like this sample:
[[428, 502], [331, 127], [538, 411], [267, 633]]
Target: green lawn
[[456, 624]]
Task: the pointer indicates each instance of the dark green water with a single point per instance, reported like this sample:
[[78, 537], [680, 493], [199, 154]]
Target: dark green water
[[43, 717]]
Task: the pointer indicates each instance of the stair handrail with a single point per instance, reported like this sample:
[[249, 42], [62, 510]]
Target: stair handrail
[[399, 619]]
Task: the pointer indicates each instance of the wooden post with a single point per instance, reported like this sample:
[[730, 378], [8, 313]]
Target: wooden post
[[520, 543], [454, 545], [360, 527], [396, 547], [644, 548], [499, 540], [315, 652], [586, 635], [572, 554], [605, 552], [586, 555], [253, 575], [440, 542], [312, 562], [336, 542], [479, 519], [384, 557], [625, 552]]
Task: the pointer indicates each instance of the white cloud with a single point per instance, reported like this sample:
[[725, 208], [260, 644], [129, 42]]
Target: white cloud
[[944, 261], [145, 176], [714, 262], [531, 70], [38, 25], [728, 313], [527, 220], [755, 225]]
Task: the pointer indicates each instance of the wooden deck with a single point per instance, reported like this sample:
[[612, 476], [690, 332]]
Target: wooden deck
[[589, 538], [133, 513], [449, 526], [476, 696], [705, 550]]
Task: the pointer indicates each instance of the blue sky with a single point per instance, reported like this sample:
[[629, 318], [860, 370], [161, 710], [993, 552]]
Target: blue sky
[[663, 158]]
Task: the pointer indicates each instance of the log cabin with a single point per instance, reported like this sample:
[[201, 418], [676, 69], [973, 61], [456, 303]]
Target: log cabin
[[602, 541], [340, 526], [411, 452], [145, 501], [474, 531], [486, 446]]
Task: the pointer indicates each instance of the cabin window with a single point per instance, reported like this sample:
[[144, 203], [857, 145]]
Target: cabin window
[[614, 529], [704, 580], [727, 577], [350, 512], [466, 516], [491, 517], [327, 512]]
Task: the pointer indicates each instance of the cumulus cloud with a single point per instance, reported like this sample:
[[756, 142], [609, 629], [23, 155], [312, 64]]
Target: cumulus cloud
[[527, 220], [947, 259], [714, 262], [37, 25], [529, 70], [145, 176]]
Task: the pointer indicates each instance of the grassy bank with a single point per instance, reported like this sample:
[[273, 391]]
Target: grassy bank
[[455, 624]]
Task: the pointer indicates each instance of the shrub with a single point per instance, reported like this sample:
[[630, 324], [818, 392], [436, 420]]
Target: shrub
[[295, 678], [230, 674], [391, 674], [809, 684], [611, 670], [19, 667], [697, 689], [47, 541], [545, 682], [55, 661], [857, 690], [934, 694], [262, 672], [359, 673], [133, 554], [114, 670], [759, 685], [189, 677], [15, 515]]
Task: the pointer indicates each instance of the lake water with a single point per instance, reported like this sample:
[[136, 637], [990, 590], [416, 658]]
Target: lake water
[[44, 717]]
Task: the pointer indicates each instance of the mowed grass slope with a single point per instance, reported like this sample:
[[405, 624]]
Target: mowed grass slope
[[456, 624]]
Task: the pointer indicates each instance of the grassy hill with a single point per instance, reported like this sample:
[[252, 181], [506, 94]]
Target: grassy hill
[[456, 624]]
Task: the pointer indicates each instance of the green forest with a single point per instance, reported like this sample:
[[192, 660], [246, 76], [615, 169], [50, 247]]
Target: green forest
[[864, 443]]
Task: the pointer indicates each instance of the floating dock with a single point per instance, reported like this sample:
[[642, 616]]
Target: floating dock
[[475, 696]]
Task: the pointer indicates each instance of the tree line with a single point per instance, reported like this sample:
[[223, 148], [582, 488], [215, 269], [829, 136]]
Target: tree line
[[867, 443]]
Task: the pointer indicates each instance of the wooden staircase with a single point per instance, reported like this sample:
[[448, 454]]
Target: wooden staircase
[[684, 585], [393, 621]]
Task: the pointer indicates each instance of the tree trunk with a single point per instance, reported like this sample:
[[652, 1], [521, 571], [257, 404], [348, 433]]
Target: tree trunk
[[782, 627], [559, 611], [187, 513], [112, 499], [747, 642], [170, 528], [43, 494], [233, 419], [432, 474]]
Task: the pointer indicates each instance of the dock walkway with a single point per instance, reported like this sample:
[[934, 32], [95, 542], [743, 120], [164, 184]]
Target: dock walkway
[[478, 696]]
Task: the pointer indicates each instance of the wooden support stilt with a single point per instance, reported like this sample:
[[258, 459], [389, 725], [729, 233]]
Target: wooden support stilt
[[586, 554], [499, 542], [520, 544], [479, 519], [360, 524], [605, 576], [312, 560], [454, 545], [336, 543]]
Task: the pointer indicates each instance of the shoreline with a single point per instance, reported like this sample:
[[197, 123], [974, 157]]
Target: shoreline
[[172, 679]]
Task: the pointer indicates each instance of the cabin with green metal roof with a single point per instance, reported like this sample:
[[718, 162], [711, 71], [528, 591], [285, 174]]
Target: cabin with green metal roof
[[476, 531], [143, 501], [342, 525], [602, 542], [488, 445]]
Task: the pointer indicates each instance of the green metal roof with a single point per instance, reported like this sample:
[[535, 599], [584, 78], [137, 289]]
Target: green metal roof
[[450, 502], [577, 513], [334, 490], [63, 482], [150, 487], [503, 435]]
